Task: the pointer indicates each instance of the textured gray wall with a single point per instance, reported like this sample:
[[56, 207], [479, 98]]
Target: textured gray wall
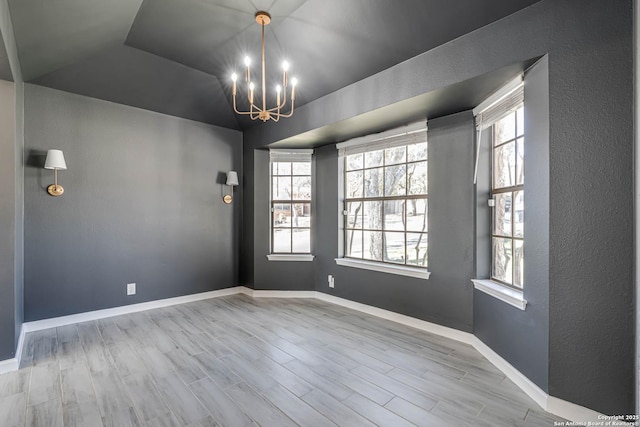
[[522, 337], [142, 203], [589, 45], [7, 220], [591, 205], [446, 298]]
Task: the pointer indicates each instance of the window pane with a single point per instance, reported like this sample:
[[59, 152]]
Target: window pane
[[518, 214], [502, 215], [417, 210], [355, 161], [394, 215], [281, 189], [301, 168], [282, 215], [372, 218], [502, 265], [354, 184], [372, 245], [396, 155], [373, 159], [395, 180], [301, 215], [417, 152], [520, 121], [518, 264], [354, 215], [417, 244], [282, 168], [301, 240], [417, 178], [281, 240], [302, 188], [354, 243], [520, 162], [504, 166], [394, 247], [373, 182], [505, 129]]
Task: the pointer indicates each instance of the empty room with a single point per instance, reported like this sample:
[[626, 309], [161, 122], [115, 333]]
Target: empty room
[[319, 213]]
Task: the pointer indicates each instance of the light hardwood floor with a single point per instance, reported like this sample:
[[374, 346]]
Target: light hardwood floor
[[237, 361]]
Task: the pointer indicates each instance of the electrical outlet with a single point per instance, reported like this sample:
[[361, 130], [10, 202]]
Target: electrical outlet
[[331, 281], [131, 288]]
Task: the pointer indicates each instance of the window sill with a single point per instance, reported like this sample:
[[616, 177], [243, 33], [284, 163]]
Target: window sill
[[512, 297], [291, 257], [402, 270]]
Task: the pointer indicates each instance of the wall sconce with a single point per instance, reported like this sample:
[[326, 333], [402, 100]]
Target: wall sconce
[[55, 161], [232, 181]]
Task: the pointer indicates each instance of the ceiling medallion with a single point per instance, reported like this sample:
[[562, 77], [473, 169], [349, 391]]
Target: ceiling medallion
[[255, 112]]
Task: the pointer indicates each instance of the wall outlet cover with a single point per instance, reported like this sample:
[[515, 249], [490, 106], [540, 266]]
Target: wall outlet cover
[[131, 288]]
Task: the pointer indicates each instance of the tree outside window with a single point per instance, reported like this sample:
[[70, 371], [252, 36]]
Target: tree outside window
[[507, 225], [386, 205]]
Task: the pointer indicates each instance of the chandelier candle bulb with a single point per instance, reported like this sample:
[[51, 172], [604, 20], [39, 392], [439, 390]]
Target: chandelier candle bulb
[[247, 62], [285, 68], [234, 77]]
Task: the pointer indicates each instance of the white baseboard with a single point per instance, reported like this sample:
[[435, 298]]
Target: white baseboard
[[9, 365], [423, 325], [125, 309], [550, 404], [277, 294]]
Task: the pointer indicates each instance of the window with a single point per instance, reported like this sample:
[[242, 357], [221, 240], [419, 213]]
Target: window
[[291, 198], [500, 262], [507, 189], [385, 198]]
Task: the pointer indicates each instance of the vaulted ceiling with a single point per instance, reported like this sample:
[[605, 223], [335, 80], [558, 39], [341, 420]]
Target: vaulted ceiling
[[176, 56]]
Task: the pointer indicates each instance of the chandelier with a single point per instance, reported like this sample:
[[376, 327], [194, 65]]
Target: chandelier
[[255, 112]]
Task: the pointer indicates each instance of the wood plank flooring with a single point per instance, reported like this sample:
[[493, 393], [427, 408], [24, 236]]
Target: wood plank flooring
[[239, 361]]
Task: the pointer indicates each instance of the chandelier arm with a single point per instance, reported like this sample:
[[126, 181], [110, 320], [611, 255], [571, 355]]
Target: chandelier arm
[[236, 109], [290, 112]]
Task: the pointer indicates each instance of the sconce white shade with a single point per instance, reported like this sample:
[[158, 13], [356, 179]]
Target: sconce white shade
[[55, 160], [232, 178]]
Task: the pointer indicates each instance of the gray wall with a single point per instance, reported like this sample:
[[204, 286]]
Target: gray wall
[[142, 203], [18, 261], [521, 337], [12, 159], [8, 190], [591, 264], [589, 46]]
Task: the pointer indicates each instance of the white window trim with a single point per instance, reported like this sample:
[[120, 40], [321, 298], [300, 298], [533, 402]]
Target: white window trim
[[291, 155], [514, 297], [381, 140], [402, 270], [291, 257]]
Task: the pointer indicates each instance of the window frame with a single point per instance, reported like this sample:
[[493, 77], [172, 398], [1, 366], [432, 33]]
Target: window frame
[[512, 189], [290, 156], [374, 143]]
